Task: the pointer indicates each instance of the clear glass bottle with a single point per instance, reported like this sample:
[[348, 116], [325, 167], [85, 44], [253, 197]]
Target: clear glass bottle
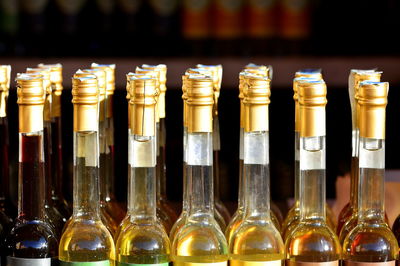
[[57, 195], [347, 219], [162, 212], [86, 238], [200, 239], [32, 239], [144, 240], [162, 200], [256, 239], [185, 197], [371, 241], [112, 206], [312, 240]]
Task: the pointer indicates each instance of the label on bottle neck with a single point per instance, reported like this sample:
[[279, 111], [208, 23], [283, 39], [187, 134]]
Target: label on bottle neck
[[13, 261], [255, 263], [357, 263], [88, 263], [223, 263], [136, 264], [302, 263]]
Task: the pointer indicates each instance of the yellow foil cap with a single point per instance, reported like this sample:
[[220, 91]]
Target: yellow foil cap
[[56, 77], [85, 97], [200, 101], [267, 69], [216, 75], [163, 85], [30, 92], [143, 105], [156, 73], [109, 70], [256, 103], [5, 76], [312, 100], [372, 99]]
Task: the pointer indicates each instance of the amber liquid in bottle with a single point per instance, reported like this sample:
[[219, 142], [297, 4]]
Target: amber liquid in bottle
[[32, 236]]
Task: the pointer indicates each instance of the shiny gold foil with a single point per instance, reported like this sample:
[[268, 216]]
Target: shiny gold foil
[[200, 102], [156, 73], [56, 80], [312, 100], [5, 71], [216, 75], [163, 86], [45, 72], [309, 73], [109, 70], [256, 103], [102, 85], [267, 69], [85, 97], [143, 105], [372, 100], [30, 92]]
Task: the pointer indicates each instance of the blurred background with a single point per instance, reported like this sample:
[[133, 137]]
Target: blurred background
[[335, 35]]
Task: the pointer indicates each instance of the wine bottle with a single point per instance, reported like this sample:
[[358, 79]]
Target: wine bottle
[[256, 239], [347, 219], [113, 207], [371, 240], [32, 239], [200, 239], [312, 240], [54, 216], [86, 239], [144, 240], [56, 156]]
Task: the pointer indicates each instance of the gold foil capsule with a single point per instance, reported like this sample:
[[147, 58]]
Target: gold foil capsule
[[267, 69], [30, 92], [372, 99], [109, 70], [162, 69], [143, 103], [312, 100], [85, 97], [5, 72]]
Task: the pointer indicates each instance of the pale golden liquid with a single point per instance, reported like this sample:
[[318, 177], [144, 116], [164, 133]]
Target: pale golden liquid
[[313, 241], [177, 225], [143, 244], [372, 242], [256, 241], [85, 241], [200, 243]]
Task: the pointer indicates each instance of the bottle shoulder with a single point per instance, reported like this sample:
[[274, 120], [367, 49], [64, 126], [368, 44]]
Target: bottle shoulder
[[31, 239], [371, 242]]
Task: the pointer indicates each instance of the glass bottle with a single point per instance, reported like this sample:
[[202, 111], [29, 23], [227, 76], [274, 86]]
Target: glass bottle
[[144, 240], [162, 199], [106, 216], [216, 72], [86, 239], [57, 196], [347, 219], [54, 216], [256, 239], [162, 213], [112, 206], [312, 240], [32, 239], [126, 221], [371, 241], [6, 206], [200, 239], [237, 218], [185, 197], [293, 216]]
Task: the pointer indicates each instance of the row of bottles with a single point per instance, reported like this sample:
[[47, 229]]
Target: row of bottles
[[98, 231]]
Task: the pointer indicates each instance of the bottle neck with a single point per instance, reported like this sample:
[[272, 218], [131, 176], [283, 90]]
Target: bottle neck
[[256, 174], [186, 188], [4, 165], [241, 169], [48, 155], [57, 159], [31, 183], [200, 173], [86, 175], [354, 171], [296, 168], [371, 196], [142, 161], [216, 149], [312, 178], [161, 167]]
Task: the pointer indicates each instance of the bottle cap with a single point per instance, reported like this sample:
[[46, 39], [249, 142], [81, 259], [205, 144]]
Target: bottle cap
[[109, 70], [163, 87], [5, 76]]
